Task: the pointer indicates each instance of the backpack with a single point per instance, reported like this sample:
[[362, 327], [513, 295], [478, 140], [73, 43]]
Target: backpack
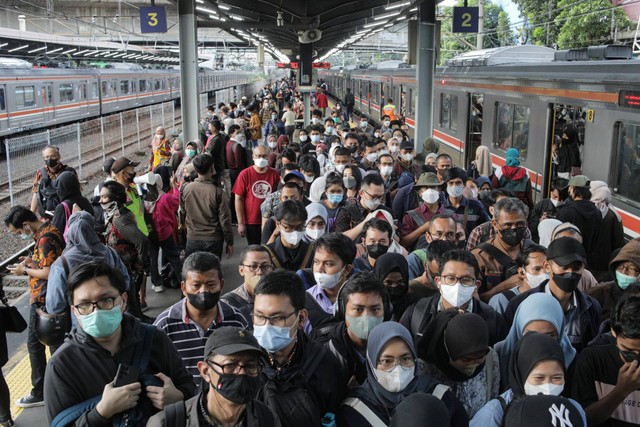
[[236, 301], [248, 153], [48, 197]]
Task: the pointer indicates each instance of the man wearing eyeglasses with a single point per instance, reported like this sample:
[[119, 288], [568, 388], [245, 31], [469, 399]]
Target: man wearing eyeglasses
[[231, 372], [457, 283], [497, 257], [83, 371]]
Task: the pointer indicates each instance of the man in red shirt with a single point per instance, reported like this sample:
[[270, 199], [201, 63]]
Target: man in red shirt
[[253, 185], [321, 101]]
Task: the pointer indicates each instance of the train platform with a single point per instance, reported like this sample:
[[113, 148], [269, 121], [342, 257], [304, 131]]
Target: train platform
[[18, 371]]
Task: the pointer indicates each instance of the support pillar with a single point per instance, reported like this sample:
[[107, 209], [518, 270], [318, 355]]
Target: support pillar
[[188, 69], [305, 71], [425, 72]]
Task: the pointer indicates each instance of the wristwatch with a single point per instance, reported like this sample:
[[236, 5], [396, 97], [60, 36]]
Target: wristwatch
[[24, 272]]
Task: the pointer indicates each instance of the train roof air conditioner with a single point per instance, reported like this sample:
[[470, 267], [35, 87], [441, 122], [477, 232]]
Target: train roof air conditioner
[[310, 36]]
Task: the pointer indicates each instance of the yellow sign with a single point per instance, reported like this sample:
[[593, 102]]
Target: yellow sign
[[591, 115]]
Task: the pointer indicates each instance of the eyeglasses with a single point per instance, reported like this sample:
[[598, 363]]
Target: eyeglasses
[[89, 307], [373, 198], [265, 268], [465, 281], [516, 226], [389, 363], [443, 236], [289, 228], [260, 320], [628, 269], [235, 368]]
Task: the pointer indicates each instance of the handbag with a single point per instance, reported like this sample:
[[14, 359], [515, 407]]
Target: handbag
[[10, 318]]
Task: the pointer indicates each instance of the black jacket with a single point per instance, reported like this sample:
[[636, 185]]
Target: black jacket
[[81, 368], [540, 208], [69, 192], [352, 363], [587, 217]]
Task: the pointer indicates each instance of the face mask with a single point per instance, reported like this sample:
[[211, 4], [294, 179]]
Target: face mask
[[252, 281], [292, 237], [377, 134], [393, 148], [24, 235], [315, 138], [372, 157], [274, 116], [190, 153], [273, 338], [315, 121], [397, 293], [457, 295], [241, 138], [455, 191], [109, 206], [513, 237], [407, 157], [52, 163], [204, 301], [336, 120], [349, 181], [624, 281], [430, 196], [383, 152], [363, 124], [534, 280], [547, 389], [309, 179], [238, 389], [386, 170], [353, 148], [101, 323], [556, 202], [261, 163], [328, 281], [335, 198], [314, 233], [329, 129], [567, 282], [474, 194], [341, 168], [396, 379], [272, 145], [376, 251], [131, 177], [469, 370], [362, 325], [372, 205], [303, 138]]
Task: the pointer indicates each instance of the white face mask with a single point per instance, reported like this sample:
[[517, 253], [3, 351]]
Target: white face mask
[[309, 179], [372, 205], [364, 124], [328, 281], [303, 138], [377, 134], [431, 196], [316, 121], [474, 194], [372, 157], [292, 237], [273, 144], [240, 138], [386, 170], [396, 379], [548, 389], [457, 295], [534, 280], [394, 148], [383, 152], [455, 191], [314, 233], [556, 202], [386, 123], [261, 163], [407, 157], [341, 168]]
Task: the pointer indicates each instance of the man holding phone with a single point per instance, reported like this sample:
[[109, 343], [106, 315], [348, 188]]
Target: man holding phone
[[114, 367]]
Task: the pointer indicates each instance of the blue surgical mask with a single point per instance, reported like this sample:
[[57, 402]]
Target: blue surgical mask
[[335, 198], [362, 325], [455, 191], [101, 323], [273, 338], [624, 281]]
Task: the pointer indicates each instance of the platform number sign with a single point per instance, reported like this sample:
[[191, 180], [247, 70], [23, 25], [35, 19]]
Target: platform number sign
[[465, 19], [153, 19]]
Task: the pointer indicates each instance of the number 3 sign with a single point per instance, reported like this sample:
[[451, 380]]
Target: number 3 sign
[[153, 19], [465, 19]]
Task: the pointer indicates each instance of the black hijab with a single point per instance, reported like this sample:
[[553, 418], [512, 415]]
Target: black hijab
[[532, 349], [451, 336], [389, 263], [165, 172]]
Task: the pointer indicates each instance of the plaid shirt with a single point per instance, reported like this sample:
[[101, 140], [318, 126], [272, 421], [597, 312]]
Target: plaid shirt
[[485, 232]]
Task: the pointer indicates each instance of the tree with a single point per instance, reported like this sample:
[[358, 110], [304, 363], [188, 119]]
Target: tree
[[540, 16], [503, 30], [587, 23]]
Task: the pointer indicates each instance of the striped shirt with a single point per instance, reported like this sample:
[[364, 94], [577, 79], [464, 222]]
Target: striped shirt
[[188, 336]]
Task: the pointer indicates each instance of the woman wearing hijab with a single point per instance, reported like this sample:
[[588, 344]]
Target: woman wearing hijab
[[540, 312], [611, 235], [514, 178], [69, 193], [545, 230], [458, 355], [276, 148], [333, 197], [190, 151], [160, 148], [392, 376], [566, 153], [421, 410], [482, 165], [393, 271], [317, 219], [430, 159], [536, 367]]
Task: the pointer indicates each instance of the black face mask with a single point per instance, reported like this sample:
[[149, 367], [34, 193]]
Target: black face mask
[[376, 251], [238, 389], [352, 148], [52, 163], [204, 301], [567, 282], [396, 293], [513, 237]]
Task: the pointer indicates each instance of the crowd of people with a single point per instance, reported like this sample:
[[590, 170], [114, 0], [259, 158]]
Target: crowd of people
[[379, 287]]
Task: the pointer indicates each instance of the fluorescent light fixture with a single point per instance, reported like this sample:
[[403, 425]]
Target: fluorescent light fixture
[[388, 15], [200, 1], [55, 50], [108, 55], [223, 6], [236, 17], [18, 48], [397, 5], [37, 50], [3, 44], [68, 51], [205, 10], [400, 18], [415, 9], [93, 52], [120, 55], [361, 31], [374, 24], [82, 51]]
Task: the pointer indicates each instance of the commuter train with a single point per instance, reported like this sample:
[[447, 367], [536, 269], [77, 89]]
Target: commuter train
[[34, 98], [521, 97]]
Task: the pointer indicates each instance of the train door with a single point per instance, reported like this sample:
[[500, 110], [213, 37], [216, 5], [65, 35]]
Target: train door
[[474, 126], [83, 98], [4, 117], [47, 102]]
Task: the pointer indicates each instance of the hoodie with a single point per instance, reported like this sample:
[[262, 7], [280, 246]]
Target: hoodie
[[69, 192], [588, 218]]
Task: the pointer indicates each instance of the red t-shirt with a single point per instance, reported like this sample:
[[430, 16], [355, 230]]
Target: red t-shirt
[[253, 188]]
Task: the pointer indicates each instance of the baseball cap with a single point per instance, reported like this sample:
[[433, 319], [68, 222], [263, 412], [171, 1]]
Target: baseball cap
[[406, 145], [230, 340], [566, 250], [121, 163], [428, 179], [543, 411], [108, 164], [293, 174], [579, 181]]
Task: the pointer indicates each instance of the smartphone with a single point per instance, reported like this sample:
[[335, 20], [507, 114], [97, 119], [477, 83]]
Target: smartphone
[[125, 375]]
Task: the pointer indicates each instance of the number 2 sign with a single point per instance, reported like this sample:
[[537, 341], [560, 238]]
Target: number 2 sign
[[465, 19], [153, 19]]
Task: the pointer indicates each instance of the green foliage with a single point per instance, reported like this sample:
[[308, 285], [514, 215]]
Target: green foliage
[[588, 23], [504, 31]]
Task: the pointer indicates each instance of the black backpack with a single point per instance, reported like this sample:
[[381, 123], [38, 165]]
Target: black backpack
[[47, 194]]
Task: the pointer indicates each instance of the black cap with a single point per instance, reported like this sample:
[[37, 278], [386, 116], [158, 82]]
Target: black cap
[[230, 340], [566, 250], [106, 166], [406, 145], [121, 163], [543, 411]]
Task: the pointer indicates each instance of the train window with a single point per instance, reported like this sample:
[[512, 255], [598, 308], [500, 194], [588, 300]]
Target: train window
[[157, 84], [47, 93], [124, 87], [105, 89], [94, 90], [512, 127], [2, 98], [448, 111], [66, 92], [112, 87], [627, 162], [142, 84], [25, 96], [82, 91]]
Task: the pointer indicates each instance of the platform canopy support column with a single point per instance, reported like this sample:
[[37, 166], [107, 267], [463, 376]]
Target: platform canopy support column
[[188, 69], [305, 72], [425, 72]]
